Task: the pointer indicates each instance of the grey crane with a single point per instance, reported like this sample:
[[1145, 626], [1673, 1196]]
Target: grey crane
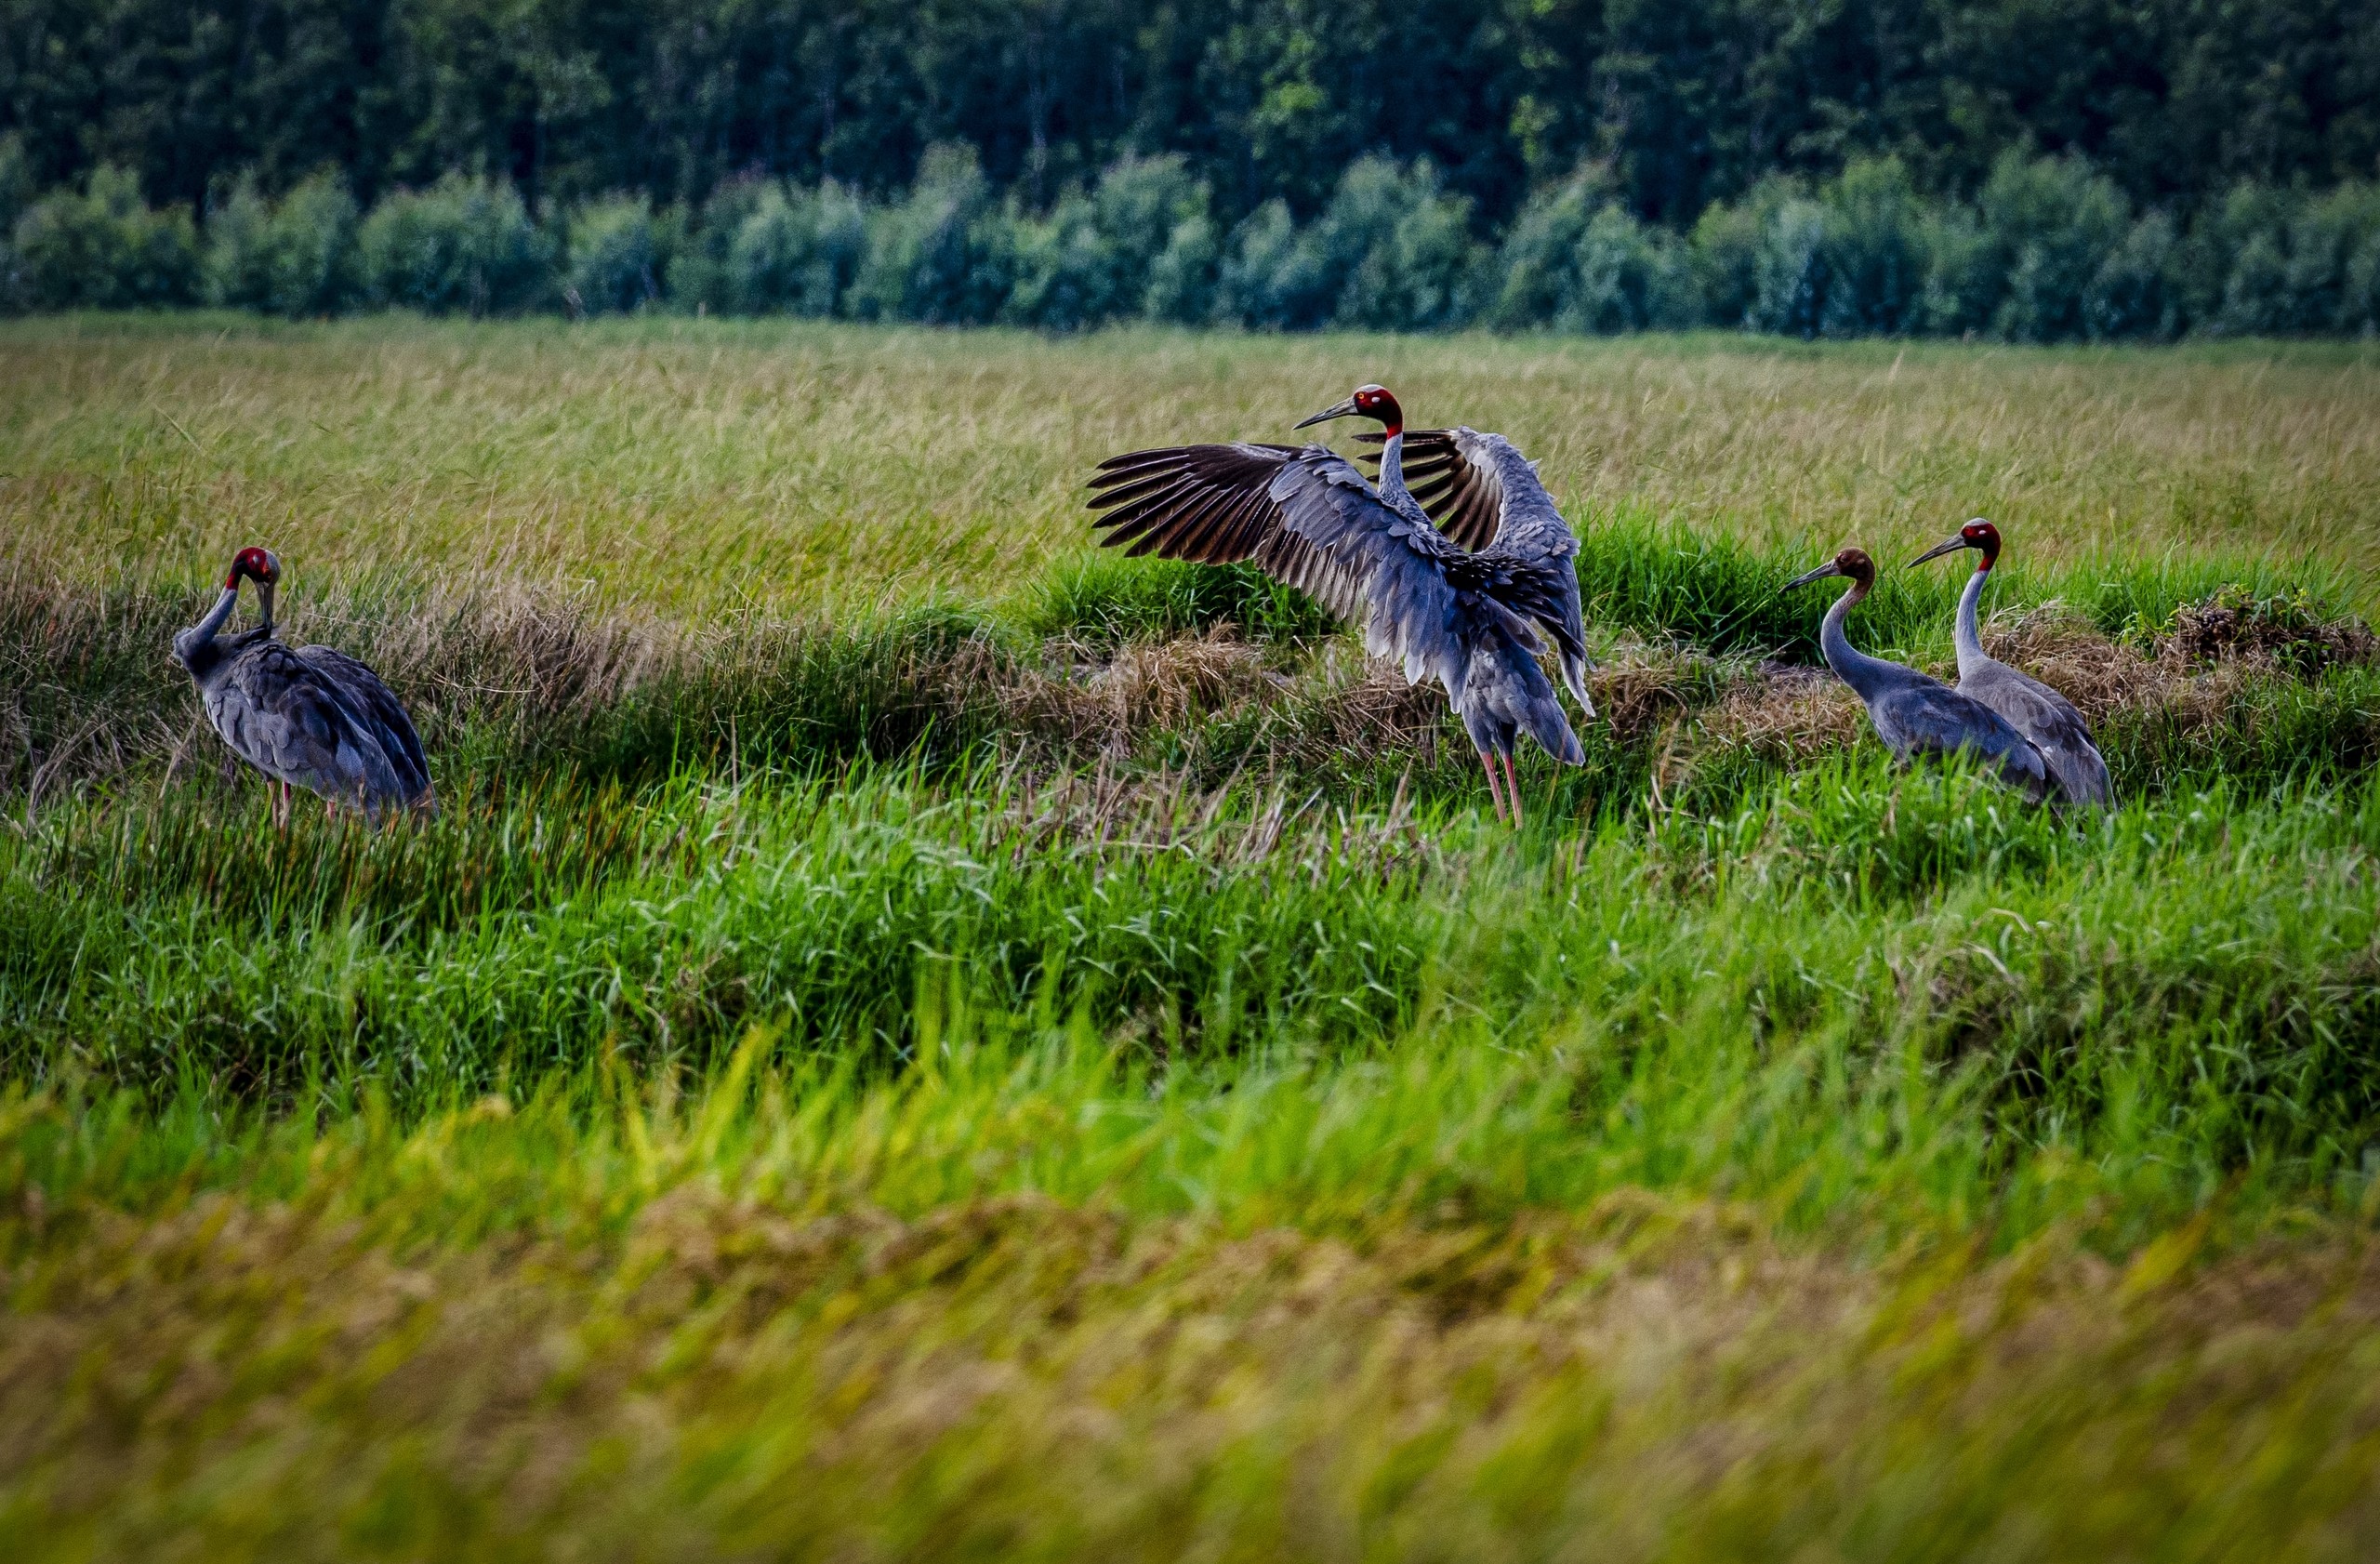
[[2046, 718], [311, 716], [1482, 492], [1913, 714], [1308, 518]]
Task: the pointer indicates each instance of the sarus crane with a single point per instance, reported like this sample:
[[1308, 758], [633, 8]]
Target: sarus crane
[[2046, 718], [309, 716], [1913, 713], [1308, 517]]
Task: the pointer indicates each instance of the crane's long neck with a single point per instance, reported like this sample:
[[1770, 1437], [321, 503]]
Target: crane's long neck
[[1964, 635], [1392, 476], [1392, 462], [1867, 676], [195, 647]]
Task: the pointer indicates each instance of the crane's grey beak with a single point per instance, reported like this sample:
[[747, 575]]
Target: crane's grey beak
[[1936, 553], [1820, 574], [264, 604], [1336, 410]]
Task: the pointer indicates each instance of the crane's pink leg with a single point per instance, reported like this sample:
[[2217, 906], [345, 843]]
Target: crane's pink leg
[[279, 792], [1514, 783], [1495, 790]]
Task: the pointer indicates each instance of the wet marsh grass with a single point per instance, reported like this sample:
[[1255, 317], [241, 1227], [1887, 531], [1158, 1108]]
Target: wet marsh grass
[[914, 1037]]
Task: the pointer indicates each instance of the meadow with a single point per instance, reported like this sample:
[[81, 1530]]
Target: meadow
[[911, 1037]]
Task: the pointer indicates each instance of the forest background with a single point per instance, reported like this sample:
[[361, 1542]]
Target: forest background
[[2031, 171]]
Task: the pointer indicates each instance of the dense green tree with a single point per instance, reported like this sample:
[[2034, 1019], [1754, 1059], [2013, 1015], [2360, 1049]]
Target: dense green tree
[[1681, 103]]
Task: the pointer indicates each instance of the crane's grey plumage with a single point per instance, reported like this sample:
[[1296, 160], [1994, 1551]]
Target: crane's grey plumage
[[1913, 713], [1308, 518], [2046, 718], [308, 716], [1482, 492]]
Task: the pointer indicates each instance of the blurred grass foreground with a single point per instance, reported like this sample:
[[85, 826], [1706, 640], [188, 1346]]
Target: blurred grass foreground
[[914, 1039]]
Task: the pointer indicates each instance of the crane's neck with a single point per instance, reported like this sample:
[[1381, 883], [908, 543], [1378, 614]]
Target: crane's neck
[[1963, 634], [195, 647], [1392, 477], [1867, 676]]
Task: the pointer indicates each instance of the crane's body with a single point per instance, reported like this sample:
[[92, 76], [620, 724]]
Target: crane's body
[[2047, 719], [311, 716], [1913, 714], [1474, 621]]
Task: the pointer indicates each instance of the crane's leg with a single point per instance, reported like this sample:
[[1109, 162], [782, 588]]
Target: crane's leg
[[1495, 790], [1514, 784], [279, 792]]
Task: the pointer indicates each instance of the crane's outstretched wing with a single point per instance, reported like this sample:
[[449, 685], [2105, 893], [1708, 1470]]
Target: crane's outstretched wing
[[379, 709], [1308, 518], [1483, 493], [2049, 720]]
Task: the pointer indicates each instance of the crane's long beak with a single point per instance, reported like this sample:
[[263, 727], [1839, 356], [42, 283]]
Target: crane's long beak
[[1336, 410], [264, 606], [1938, 549], [1820, 574]]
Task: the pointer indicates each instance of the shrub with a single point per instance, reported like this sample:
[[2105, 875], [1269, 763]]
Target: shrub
[[2051, 224], [2359, 298], [2323, 239], [295, 257], [1872, 249], [464, 244], [1630, 276], [1400, 248], [2199, 276], [1724, 253], [1064, 265], [1271, 275], [2130, 296], [940, 255], [1789, 271], [1962, 278], [1140, 243], [618, 252], [1183, 278], [105, 248], [16, 195], [795, 252], [1578, 261], [697, 276]]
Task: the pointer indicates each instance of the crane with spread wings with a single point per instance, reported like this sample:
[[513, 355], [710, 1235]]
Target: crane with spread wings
[[1472, 606]]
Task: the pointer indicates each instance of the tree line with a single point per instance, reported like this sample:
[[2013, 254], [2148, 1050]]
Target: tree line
[[1682, 103], [2048, 249]]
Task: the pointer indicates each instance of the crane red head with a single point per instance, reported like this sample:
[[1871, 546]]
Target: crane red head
[[263, 567], [1369, 401], [1979, 535], [1853, 562]]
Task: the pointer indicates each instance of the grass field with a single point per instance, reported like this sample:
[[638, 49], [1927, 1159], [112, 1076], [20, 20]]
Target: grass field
[[910, 1039]]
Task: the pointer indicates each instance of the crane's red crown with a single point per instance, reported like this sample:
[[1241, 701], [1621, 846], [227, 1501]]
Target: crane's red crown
[[1374, 402], [1855, 564], [1982, 536], [257, 565]]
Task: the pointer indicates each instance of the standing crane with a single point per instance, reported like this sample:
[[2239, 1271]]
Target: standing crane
[[1482, 492], [312, 716], [1308, 518], [2046, 718], [1914, 714]]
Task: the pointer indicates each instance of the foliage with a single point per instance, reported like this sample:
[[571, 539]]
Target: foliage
[[294, 257], [619, 249], [105, 248], [795, 252], [463, 245]]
